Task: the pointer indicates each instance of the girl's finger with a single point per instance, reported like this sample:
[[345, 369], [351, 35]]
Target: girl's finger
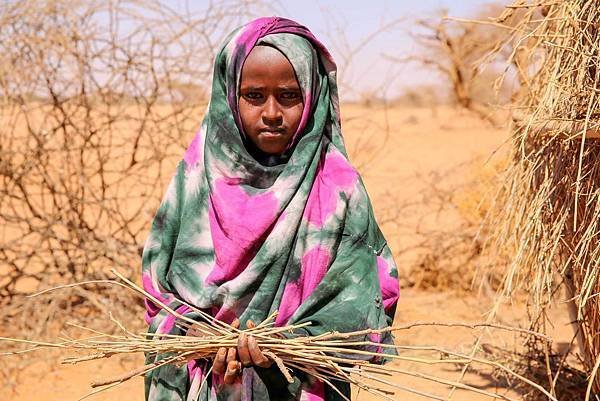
[[219, 362], [242, 350], [233, 369], [258, 358], [236, 323], [231, 355], [250, 324], [192, 332]]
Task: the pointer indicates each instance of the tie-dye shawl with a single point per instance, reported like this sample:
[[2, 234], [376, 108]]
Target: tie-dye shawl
[[238, 238]]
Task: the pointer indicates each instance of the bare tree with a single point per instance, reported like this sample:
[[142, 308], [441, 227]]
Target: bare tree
[[455, 49]]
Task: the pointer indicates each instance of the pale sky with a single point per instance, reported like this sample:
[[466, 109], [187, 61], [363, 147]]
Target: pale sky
[[369, 69]]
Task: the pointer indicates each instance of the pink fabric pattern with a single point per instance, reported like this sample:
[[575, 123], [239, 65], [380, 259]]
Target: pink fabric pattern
[[151, 308], [314, 266], [389, 285], [238, 223], [192, 153], [334, 174]]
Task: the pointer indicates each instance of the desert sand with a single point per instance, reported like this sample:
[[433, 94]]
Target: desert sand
[[404, 155]]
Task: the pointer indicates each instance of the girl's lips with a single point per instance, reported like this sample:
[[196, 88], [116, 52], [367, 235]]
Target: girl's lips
[[272, 134]]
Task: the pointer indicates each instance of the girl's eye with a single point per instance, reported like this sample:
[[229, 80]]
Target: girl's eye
[[253, 95], [290, 95]]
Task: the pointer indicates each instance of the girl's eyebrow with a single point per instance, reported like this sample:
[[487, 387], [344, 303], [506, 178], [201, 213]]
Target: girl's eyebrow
[[290, 87], [261, 88]]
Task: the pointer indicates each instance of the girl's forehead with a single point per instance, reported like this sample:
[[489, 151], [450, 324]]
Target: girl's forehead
[[265, 54], [298, 55], [265, 62]]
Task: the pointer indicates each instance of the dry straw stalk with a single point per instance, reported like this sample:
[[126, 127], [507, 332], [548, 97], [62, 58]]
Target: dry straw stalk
[[348, 357]]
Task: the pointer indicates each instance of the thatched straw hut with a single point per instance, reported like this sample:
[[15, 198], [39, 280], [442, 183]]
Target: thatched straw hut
[[549, 208]]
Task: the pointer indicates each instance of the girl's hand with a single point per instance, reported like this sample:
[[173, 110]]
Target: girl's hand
[[230, 361], [248, 351]]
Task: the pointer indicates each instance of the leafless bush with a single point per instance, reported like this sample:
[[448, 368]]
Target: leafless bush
[[551, 369], [454, 48], [97, 102], [451, 255], [426, 95]]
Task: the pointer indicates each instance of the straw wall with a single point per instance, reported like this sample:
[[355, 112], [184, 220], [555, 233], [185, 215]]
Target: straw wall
[[550, 204]]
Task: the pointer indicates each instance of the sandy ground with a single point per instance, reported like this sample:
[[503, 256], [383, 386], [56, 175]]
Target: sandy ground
[[400, 152]]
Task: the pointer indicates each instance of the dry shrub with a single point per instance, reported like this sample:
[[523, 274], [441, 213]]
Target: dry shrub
[[454, 49], [98, 100], [452, 255], [550, 369], [426, 95], [548, 210], [96, 106]]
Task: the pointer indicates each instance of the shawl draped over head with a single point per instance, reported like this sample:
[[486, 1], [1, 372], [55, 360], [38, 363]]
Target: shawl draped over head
[[240, 238]]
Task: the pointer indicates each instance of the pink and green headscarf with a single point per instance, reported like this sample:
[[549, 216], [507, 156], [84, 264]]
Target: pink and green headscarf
[[241, 238]]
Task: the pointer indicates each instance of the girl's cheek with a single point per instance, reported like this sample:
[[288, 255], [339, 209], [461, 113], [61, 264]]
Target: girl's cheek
[[296, 115], [247, 114]]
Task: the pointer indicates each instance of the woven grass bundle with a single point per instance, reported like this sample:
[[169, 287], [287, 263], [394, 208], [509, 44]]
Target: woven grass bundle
[[548, 211]]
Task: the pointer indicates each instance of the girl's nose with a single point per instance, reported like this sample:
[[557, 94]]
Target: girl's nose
[[271, 112]]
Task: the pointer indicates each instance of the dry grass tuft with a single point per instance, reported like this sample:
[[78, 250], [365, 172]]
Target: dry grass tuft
[[552, 370], [452, 256]]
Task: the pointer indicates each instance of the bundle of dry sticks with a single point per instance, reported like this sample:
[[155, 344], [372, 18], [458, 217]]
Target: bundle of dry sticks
[[330, 356]]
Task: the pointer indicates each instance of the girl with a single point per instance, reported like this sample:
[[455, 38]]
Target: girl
[[264, 214]]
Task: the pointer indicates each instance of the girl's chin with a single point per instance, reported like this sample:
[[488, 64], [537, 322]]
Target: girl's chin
[[272, 143], [272, 149]]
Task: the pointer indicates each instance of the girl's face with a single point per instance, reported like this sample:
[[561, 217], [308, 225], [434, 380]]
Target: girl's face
[[270, 100]]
